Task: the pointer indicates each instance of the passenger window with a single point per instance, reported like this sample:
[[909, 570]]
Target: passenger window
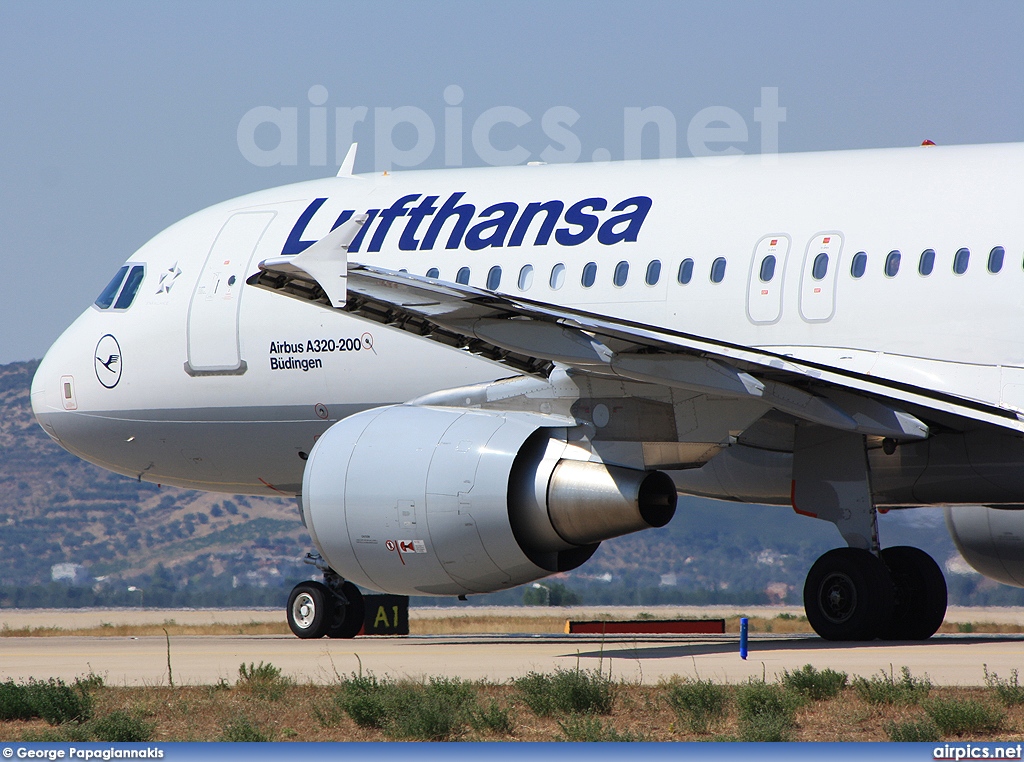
[[685, 272], [526, 277], [859, 264], [653, 272], [131, 288], [767, 269], [718, 270], [892, 263], [927, 263], [820, 267], [557, 276], [961, 259], [462, 276], [106, 298], [589, 274], [621, 274], [995, 259], [494, 278], [433, 272]]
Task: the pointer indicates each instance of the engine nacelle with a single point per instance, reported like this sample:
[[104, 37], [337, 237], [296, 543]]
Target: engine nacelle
[[990, 539], [438, 501]]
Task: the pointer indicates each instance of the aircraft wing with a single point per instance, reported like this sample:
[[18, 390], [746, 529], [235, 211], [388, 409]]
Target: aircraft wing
[[532, 337]]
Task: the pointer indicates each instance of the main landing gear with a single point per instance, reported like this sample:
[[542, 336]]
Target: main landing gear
[[859, 592], [852, 594], [334, 609]]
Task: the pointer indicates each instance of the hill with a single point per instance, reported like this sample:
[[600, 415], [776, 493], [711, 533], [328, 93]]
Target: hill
[[74, 534]]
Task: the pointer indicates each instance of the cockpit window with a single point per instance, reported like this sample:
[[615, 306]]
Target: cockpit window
[[121, 291], [131, 288], [106, 298]]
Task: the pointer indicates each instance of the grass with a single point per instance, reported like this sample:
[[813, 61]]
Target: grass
[[106, 629], [459, 624], [365, 707]]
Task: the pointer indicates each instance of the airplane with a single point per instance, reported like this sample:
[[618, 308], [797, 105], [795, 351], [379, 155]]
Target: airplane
[[472, 377]]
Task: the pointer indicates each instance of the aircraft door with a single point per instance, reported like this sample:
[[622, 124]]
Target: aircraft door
[[764, 282], [818, 277], [214, 310]]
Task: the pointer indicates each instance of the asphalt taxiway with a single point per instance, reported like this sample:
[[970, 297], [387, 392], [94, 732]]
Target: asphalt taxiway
[[196, 660]]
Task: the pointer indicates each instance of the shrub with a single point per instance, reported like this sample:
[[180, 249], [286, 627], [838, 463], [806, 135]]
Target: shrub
[[89, 683], [812, 684], [578, 691], [121, 727], [365, 700], [886, 689], [579, 728], [263, 680], [240, 729], [698, 703], [912, 731], [264, 673], [15, 703], [438, 711], [961, 716], [494, 718], [57, 702], [766, 712], [69, 733], [1008, 691]]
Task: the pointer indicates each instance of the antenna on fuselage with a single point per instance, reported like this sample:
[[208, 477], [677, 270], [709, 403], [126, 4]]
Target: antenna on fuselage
[[350, 162]]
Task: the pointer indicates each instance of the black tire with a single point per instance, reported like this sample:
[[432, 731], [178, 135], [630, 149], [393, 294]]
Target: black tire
[[848, 595], [310, 610], [349, 619], [920, 593]]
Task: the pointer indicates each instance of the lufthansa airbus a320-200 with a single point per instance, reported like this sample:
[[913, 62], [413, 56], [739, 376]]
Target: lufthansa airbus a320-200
[[472, 377]]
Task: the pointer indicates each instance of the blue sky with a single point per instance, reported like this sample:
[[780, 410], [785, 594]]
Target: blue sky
[[117, 119]]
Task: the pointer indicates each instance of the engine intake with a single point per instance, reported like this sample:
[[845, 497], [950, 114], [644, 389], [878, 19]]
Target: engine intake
[[436, 501], [990, 539]]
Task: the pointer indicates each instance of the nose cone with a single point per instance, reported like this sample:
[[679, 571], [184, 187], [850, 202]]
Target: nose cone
[[47, 394]]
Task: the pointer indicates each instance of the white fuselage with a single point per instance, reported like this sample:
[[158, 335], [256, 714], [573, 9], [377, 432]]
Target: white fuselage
[[220, 386]]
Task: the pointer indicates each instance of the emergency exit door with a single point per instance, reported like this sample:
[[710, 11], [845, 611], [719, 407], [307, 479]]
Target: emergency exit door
[[764, 282]]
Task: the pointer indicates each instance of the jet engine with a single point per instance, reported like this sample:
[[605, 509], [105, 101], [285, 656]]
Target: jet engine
[[990, 539], [439, 501]]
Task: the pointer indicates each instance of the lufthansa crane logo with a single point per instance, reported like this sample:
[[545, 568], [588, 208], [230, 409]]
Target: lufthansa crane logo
[[108, 361]]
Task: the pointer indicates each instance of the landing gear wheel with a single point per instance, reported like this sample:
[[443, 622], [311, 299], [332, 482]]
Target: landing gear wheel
[[920, 594], [348, 619], [848, 595], [310, 609]]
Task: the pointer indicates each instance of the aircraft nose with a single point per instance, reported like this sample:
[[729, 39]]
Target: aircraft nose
[[45, 393]]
